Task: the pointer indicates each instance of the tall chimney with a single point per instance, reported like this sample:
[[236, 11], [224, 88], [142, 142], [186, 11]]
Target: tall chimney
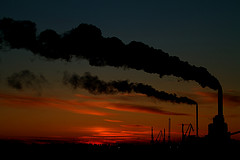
[[197, 120], [152, 140], [220, 101], [169, 130], [218, 130], [164, 136]]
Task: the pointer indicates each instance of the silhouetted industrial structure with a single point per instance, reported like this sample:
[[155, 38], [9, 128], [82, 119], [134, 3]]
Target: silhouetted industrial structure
[[196, 120], [161, 135], [169, 131], [189, 129], [218, 130], [152, 137]]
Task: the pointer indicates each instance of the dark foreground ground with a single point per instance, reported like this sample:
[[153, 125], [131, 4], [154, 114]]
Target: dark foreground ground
[[19, 149]]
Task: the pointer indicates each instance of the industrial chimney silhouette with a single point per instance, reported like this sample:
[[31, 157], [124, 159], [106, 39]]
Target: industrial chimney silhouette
[[218, 130], [220, 102]]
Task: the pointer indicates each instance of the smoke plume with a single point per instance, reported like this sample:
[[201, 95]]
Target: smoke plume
[[96, 86], [26, 80], [86, 41]]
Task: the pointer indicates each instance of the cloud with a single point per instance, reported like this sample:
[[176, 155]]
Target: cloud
[[102, 134], [74, 106], [135, 126], [128, 97], [89, 97], [113, 121], [97, 108], [230, 99], [141, 109]]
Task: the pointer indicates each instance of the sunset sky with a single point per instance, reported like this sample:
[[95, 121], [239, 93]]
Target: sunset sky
[[203, 33]]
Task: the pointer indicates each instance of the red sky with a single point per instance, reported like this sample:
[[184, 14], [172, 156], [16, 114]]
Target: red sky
[[105, 119]]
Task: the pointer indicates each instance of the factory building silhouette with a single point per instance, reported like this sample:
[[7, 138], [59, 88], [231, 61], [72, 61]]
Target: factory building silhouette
[[218, 130]]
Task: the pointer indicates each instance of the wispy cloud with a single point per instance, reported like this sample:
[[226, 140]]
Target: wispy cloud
[[141, 108], [101, 134], [230, 98], [112, 120], [83, 105], [84, 97], [68, 105], [128, 97], [127, 107], [135, 126]]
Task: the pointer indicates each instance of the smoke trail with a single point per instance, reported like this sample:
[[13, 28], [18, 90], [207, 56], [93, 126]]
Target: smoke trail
[[86, 41], [96, 86], [26, 80], [17, 34]]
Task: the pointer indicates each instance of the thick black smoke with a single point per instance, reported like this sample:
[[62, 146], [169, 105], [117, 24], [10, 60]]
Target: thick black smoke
[[96, 86], [17, 34], [86, 41], [26, 80]]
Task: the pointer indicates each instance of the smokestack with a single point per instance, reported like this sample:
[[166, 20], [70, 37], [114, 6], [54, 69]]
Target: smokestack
[[196, 120], [220, 101], [152, 138], [164, 136], [183, 132], [169, 131], [218, 130]]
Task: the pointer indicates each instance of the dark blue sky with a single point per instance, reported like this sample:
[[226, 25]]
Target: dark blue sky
[[205, 33]]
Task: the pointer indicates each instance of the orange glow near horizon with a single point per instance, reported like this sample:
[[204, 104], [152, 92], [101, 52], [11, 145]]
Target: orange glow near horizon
[[96, 119]]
